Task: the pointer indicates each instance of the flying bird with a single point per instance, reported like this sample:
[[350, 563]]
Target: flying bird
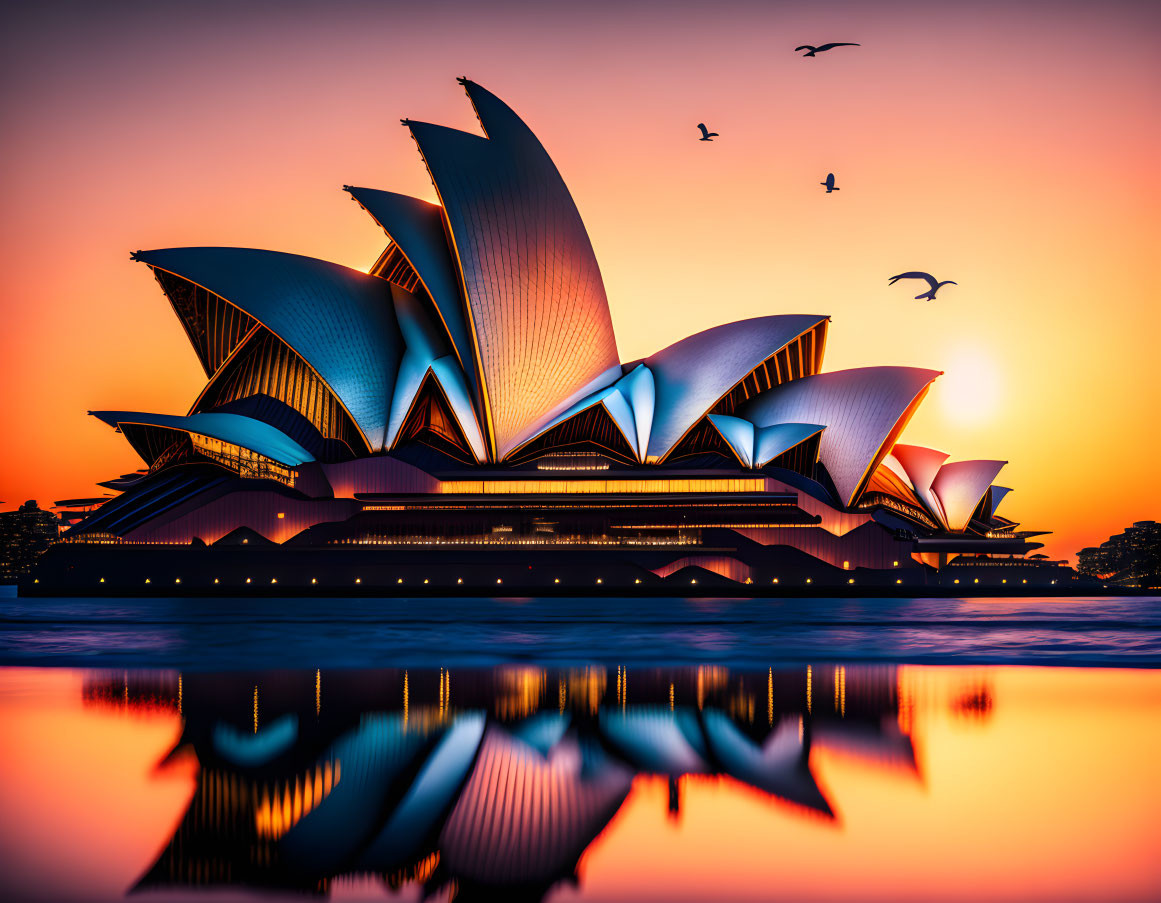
[[829, 183], [811, 51], [706, 134], [928, 295]]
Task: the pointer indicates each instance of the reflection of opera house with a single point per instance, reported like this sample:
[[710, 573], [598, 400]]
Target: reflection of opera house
[[495, 786], [460, 417]]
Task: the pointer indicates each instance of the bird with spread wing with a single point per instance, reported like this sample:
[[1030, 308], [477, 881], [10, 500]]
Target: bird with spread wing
[[811, 50], [706, 134], [928, 295]]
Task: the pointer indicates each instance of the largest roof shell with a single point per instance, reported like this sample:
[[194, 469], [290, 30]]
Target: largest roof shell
[[340, 321], [541, 328], [864, 410]]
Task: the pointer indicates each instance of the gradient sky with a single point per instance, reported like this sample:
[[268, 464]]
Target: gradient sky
[[1014, 148]]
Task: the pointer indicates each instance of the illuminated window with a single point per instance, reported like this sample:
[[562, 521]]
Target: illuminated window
[[281, 515], [612, 486], [243, 461]]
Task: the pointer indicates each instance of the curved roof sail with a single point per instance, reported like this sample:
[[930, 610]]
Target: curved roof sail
[[620, 401], [540, 323], [417, 228], [863, 409], [739, 435], [758, 446], [427, 352], [998, 493], [340, 321], [772, 441], [234, 429], [691, 376], [960, 486], [921, 466]]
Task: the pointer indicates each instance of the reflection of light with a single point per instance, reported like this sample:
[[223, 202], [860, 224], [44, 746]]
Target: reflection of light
[[284, 805], [969, 389]]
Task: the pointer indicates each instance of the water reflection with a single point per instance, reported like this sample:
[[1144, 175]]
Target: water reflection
[[526, 783], [481, 783]]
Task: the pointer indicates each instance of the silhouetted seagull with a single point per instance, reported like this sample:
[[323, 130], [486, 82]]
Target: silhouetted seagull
[[811, 51], [928, 295], [829, 183], [706, 134]]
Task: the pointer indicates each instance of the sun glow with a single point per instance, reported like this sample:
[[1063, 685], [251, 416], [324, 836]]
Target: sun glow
[[969, 391]]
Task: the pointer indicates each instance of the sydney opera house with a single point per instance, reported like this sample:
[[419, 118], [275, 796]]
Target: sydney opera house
[[459, 418]]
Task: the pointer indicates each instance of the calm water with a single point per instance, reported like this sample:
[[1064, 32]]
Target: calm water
[[309, 633], [562, 749]]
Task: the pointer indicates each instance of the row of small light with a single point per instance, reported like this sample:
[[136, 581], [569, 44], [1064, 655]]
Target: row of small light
[[1005, 580], [460, 580], [499, 580]]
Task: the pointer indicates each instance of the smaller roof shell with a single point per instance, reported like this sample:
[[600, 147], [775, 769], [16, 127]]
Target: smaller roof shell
[[235, 429], [417, 229], [772, 441], [863, 409], [921, 465], [428, 351], [339, 320], [960, 486], [692, 375], [628, 402]]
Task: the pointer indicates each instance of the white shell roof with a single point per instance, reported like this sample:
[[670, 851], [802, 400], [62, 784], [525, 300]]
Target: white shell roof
[[692, 375], [235, 429], [861, 409], [339, 320], [960, 486], [541, 327]]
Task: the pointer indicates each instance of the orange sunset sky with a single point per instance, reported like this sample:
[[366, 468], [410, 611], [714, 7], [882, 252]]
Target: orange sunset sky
[[1012, 147]]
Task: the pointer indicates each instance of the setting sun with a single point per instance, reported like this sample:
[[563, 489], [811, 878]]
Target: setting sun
[[969, 390]]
